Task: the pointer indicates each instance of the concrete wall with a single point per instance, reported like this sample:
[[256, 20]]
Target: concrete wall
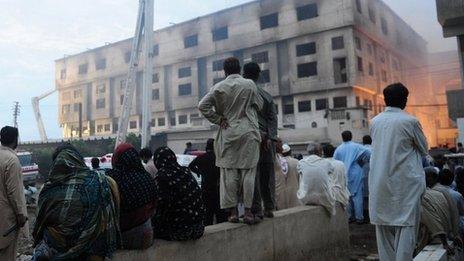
[[302, 233]]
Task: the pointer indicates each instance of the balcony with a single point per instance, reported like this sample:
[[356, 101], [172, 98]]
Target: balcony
[[451, 16]]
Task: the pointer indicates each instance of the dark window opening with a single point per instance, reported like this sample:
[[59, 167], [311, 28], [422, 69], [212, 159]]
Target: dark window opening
[[155, 78], [262, 57], [100, 64], [172, 121], [371, 14], [360, 65], [161, 122], [371, 69], [155, 94], [185, 89], [184, 72], [338, 43], [220, 34], [269, 21], [307, 12], [183, 119], [218, 65], [127, 57], [83, 68], [305, 49], [191, 41], [340, 74], [63, 74], [384, 25], [264, 77], [340, 102], [304, 106], [358, 6], [287, 105], [101, 104], [322, 104], [384, 76], [133, 125], [155, 50], [357, 41], [307, 69]]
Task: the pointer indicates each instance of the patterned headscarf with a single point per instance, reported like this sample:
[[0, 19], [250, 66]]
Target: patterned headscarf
[[165, 157], [136, 186]]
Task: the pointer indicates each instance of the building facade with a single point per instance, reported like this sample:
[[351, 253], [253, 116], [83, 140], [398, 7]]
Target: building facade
[[325, 62]]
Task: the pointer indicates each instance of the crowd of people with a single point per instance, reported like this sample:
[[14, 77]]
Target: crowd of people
[[88, 213]]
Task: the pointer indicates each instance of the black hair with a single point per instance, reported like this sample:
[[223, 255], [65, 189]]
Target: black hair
[[431, 176], [329, 150], [210, 145], [367, 140], [95, 163], [251, 71], [9, 135], [446, 177], [396, 95], [232, 66], [145, 153], [188, 144], [347, 136], [459, 144]]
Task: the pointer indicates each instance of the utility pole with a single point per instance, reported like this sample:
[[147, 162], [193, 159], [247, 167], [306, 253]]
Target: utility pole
[[16, 112], [147, 74]]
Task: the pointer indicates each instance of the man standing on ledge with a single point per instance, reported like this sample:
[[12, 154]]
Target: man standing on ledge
[[12, 201], [233, 105], [396, 177], [265, 185]]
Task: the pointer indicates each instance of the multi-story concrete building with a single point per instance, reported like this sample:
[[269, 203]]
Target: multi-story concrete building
[[325, 63]]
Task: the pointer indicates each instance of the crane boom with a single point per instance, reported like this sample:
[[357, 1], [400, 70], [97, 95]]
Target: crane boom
[[38, 116], [144, 27]]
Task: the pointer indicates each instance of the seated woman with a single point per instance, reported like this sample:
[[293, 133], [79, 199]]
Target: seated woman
[[180, 212], [77, 211], [138, 197]]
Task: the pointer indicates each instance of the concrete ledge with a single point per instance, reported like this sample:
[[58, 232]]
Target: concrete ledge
[[302, 233]]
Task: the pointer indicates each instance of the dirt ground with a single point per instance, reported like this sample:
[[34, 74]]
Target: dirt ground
[[363, 242]]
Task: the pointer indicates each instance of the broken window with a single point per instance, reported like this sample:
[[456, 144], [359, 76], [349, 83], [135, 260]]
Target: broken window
[[264, 77], [83, 68], [161, 122], [305, 49], [191, 41], [338, 43], [155, 50], [304, 106], [360, 65], [155, 78], [340, 74], [220, 34], [340, 102], [384, 25], [218, 65], [358, 44], [262, 57], [184, 72], [185, 89], [100, 64], [307, 69], [101, 89], [306, 12], [133, 125], [322, 104], [287, 105], [63, 74], [269, 21], [182, 119], [155, 94], [101, 104]]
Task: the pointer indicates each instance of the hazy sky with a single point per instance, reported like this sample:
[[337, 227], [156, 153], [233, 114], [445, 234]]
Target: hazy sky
[[35, 33]]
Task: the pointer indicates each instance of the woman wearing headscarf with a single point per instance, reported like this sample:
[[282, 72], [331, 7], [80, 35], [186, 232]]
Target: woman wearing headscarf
[[77, 211], [138, 197], [180, 212]]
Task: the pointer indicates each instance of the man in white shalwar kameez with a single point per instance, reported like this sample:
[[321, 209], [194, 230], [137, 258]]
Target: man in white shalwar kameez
[[396, 177], [338, 177], [316, 187], [233, 104]]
